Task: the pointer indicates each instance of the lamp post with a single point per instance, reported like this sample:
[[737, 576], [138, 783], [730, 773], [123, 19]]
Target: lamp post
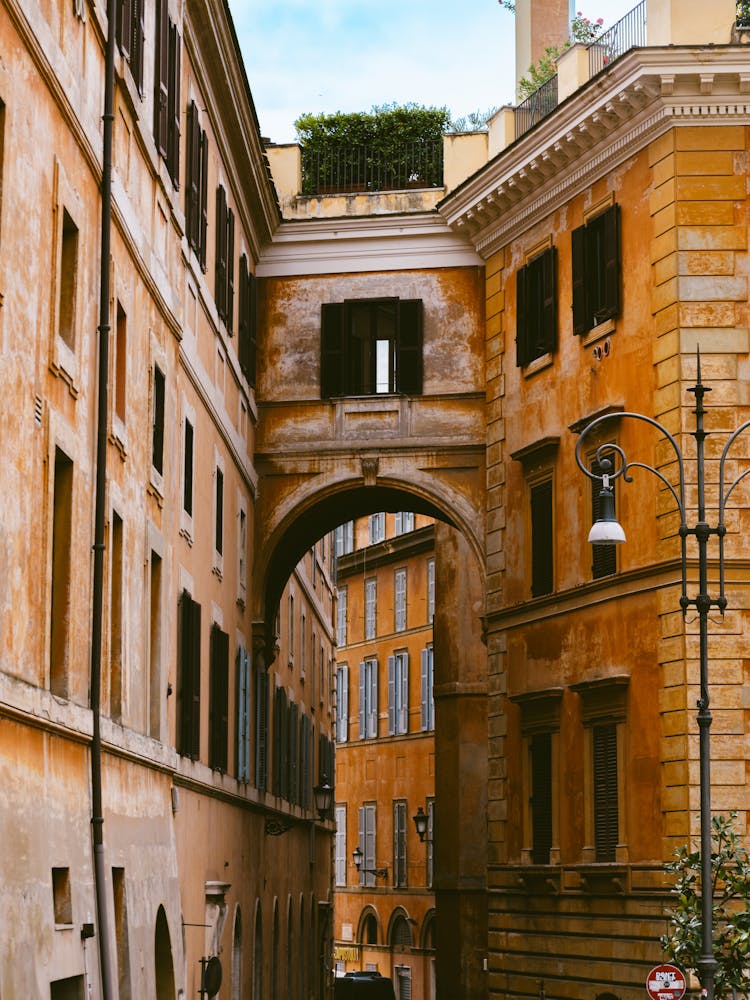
[[607, 531], [323, 795], [420, 822]]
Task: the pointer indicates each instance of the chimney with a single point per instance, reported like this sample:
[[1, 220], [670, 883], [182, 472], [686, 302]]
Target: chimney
[[539, 24]]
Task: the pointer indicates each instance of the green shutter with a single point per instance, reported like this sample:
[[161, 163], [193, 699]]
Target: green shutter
[[409, 337]]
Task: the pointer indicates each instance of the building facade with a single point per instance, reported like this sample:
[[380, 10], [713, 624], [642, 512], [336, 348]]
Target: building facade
[[384, 912]]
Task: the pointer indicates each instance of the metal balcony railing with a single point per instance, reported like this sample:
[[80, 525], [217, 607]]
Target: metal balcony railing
[[627, 33], [536, 106], [743, 13], [355, 169]]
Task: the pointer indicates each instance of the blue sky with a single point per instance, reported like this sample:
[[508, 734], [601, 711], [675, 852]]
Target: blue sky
[[348, 55]]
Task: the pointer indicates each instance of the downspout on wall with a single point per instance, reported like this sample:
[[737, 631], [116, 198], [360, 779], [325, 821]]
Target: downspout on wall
[[97, 816]]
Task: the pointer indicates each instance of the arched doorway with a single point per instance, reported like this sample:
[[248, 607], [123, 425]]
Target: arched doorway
[[163, 963], [258, 954], [237, 956]]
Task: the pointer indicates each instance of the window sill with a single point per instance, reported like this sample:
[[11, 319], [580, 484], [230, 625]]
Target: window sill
[[598, 332], [537, 365]]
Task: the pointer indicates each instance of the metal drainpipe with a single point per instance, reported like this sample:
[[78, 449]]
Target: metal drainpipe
[[97, 817]]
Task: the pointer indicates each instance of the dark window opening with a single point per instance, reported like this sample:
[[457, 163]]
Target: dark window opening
[[157, 436], [196, 186], [167, 91], [224, 277], [219, 526], [130, 34], [541, 797], [369, 347], [606, 818], [189, 677], [187, 479], [62, 515], [61, 897], [247, 332], [596, 270], [218, 706], [536, 307], [541, 538], [68, 280]]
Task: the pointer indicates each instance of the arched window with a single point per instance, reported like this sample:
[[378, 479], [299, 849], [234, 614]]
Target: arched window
[[275, 972], [400, 933], [428, 932], [163, 967], [368, 928], [258, 954], [302, 950], [237, 956], [290, 950]]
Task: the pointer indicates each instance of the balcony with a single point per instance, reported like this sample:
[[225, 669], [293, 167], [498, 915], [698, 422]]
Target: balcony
[[369, 170]]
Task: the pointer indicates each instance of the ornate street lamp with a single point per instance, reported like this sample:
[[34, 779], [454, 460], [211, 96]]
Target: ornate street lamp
[[323, 799], [607, 531], [358, 857], [420, 821]]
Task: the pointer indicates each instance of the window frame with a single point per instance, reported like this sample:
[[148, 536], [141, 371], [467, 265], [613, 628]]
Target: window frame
[[368, 698], [536, 307], [398, 693], [596, 267], [400, 599], [400, 863]]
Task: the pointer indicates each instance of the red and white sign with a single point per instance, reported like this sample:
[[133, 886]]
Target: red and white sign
[[665, 982]]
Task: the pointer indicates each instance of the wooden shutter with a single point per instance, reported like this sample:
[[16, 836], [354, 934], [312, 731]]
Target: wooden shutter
[[541, 797], [372, 720], [582, 322], [361, 841], [541, 539], [424, 689], [261, 729], [219, 699], [276, 752], [362, 701], [333, 349], [606, 819], [611, 246], [193, 178], [402, 722], [220, 265], [522, 318], [123, 27], [369, 845], [161, 77], [203, 201], [189, 680], [243, 714], [340, 845], [305, 738], [548, 331], [229, 310], [173, 106], [409, 347], [293, 752], [391, 695], [139, 34]]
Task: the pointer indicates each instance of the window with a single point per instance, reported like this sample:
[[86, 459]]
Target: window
[[342, 704], [403, 979], [401, 936], [67, 281], [189, 677], [540, 499], [167, 91], [368, 699], [536, 307], [130, 33], [115, 619], [606, 816], [62, 516], [243, 714], [341, 617], [604, 557], [399, 845], [291, 628], [218, 511], [196, 187], [376, 528], [371, 593], [399, 581], [155, 680], [366, 843], [261, 728], [344, 538], [248, 333], [398, 693], [120, 901], [540, 750], [292, 753], [404, 522], [596, 270], [371, 346], [61, 898], [430, 590], [157, 428], [305, 755], [121, 362], [224, 277], [303, 644], [340, 846], [187, 470], [279, 772], [427, 711], [242, 556], [430, 839]]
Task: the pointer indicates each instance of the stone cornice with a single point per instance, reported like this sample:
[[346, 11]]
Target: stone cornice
[[394, 242], [609, 119]]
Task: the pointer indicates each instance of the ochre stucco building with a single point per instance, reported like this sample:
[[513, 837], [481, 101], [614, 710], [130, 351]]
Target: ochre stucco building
[[149, 533]]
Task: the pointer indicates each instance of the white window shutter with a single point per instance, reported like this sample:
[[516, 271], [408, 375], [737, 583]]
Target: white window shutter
[[391, 695]]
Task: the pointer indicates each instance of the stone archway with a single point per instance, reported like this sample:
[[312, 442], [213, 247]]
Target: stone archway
[[163, 962]]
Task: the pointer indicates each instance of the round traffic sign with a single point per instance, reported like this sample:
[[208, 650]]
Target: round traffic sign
[[666, 982]]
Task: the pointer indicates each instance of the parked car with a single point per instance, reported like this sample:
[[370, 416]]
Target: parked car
[[363, 986]]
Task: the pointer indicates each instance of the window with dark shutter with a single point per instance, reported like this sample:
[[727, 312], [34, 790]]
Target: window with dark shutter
[[242, 689], [542, 551], [261, 729], [292, 754], [167, 90], [371, 347], [541, 797], [606, 819], [536, 307], [247, 332], [224, 276], [604, 557], [173, 106], [189, 677], [219, 521], [596, 267], [194, 182], [157, 437], [187, 473], [218, 705]]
